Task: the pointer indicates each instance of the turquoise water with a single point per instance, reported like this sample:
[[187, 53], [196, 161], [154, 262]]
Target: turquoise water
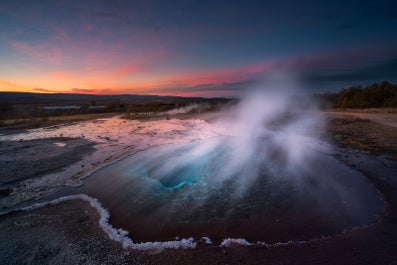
[[185, 190]]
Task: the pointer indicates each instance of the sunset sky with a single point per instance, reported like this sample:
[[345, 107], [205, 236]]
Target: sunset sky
[[193, 48]]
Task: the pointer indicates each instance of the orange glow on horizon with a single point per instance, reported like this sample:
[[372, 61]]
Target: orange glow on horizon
[[107, 83]]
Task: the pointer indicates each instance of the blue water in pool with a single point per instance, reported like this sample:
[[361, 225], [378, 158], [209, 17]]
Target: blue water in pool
[[184, 190]]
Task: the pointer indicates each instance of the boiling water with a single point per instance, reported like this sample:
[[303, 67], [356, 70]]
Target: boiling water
[[177, 191]]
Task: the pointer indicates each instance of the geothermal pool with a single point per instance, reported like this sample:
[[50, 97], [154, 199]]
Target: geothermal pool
[[199, 189]]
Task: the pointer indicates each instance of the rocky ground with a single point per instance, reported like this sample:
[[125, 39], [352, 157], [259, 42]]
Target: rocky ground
[[69, 233]]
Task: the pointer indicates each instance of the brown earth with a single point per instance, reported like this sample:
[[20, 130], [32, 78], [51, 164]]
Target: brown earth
[[375, 132]]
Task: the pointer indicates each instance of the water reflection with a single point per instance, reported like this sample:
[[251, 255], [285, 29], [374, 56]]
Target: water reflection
[[179, 190]]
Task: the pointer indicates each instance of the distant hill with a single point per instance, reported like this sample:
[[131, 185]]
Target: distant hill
[[38, 98], [16, 105]]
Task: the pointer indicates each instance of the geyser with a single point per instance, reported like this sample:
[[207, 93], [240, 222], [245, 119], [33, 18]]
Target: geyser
[[266, 177]]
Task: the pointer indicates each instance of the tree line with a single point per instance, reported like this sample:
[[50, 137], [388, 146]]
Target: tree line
[[377, 95]]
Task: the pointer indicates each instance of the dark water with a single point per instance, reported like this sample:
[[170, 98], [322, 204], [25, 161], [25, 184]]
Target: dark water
[[177, 191]]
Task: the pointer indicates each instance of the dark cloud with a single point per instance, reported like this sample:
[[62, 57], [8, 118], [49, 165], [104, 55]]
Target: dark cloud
[[236, 86], [220, 89], [385, 70]]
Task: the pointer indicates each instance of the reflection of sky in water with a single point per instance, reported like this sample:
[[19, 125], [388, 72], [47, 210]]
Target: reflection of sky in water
[[113, 138], [120, 131]]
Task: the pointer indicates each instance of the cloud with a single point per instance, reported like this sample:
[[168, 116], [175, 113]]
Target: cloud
[[76, 90], [236, 86], [105, 13], [376, 72], [8, 84], [39, 89], [89, 91], [313, 68], [204, 90], [138, 64], [82, 90], [41, 52]]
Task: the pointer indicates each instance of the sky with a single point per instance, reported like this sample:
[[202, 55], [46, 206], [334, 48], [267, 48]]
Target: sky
[[193, 48]]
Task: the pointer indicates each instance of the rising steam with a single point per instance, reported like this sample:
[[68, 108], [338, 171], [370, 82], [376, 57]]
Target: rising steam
[[261, 165], [271, 128]]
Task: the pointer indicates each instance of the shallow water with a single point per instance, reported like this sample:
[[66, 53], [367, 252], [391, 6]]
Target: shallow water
[[179, 191]]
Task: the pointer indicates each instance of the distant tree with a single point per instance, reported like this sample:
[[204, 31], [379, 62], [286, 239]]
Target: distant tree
[[378, 95]]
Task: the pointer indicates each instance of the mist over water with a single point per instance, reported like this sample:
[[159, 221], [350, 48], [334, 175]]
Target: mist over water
[[264, 176], [271, 124]]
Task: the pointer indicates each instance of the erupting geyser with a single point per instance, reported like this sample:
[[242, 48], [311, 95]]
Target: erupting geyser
[[266, 177]]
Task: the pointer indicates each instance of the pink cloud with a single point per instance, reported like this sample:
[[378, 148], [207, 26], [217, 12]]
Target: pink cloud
[[106, 70], [40, 52], [135, 64], [223, 75], [347, 58]]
